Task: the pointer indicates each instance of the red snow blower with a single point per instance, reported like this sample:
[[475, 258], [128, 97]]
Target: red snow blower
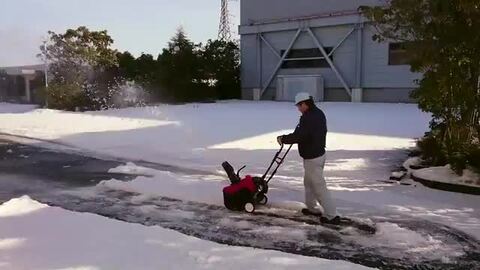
[[244, 194]]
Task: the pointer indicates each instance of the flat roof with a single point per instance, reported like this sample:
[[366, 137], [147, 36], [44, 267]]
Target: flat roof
[[22, 70]]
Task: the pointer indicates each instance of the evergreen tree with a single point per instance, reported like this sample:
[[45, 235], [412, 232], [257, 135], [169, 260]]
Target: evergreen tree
[[179, 69], [222, 67], [443, 41]]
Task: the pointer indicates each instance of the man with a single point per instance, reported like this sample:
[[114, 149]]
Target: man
[[310, 135]]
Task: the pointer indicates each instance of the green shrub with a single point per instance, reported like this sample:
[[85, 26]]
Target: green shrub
[[65, 96], [431, 150], [473, 158], [438, 151]]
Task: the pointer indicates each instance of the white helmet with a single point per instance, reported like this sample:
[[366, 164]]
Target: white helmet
[[300, 97]]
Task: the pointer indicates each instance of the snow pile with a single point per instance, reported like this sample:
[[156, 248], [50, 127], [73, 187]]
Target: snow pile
[[19, 206], [412, 244], [415, 242], [445, 174], [131, 168], [58, 239], [413, 161]]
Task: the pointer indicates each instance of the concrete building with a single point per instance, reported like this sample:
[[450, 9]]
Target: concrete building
[[21, 83], [321, 46]]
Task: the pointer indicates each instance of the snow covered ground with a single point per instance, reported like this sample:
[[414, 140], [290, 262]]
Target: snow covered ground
[[365, 142], [36, 236], [201, 135]]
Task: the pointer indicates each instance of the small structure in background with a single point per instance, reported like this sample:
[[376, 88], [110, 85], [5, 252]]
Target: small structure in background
[[22, 84]]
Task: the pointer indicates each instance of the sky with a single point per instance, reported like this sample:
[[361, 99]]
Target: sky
[[135, 25]]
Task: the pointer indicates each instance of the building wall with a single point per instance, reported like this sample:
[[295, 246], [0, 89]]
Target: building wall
[[260, 10], [377, 73], [344, 56], [380, 81], [13, 85], [4, 81]]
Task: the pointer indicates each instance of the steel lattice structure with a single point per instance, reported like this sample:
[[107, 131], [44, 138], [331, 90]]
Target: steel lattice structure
[[224, 32]]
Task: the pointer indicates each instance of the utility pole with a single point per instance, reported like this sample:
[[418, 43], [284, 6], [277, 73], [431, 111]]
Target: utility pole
[[45, 70]]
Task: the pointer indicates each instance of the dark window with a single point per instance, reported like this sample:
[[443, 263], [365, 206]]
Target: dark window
[[308, 62], [397, 54]]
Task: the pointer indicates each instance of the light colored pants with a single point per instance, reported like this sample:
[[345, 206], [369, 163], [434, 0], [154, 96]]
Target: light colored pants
[[316, 191]]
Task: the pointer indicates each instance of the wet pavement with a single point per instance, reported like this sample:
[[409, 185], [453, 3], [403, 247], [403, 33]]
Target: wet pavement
[[70, 181]]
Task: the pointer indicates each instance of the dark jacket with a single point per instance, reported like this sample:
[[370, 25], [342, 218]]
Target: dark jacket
[[310, 134]]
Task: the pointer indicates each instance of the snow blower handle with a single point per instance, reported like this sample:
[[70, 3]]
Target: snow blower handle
[[278, 159]]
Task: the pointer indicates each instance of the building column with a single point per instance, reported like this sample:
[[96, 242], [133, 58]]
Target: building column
[[27, 89], [357, 91], [259, 62]]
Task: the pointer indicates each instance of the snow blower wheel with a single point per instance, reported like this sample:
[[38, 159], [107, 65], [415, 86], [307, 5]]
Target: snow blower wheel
[[249, 208], [263, 200]]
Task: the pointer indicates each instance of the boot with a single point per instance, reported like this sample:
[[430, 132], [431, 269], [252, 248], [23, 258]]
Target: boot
[[333, 221]]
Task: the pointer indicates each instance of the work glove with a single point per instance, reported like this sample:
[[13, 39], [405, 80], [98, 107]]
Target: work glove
[[279, 140]]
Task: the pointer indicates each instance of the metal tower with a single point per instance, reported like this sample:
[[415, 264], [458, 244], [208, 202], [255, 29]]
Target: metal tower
[[224, 27]]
